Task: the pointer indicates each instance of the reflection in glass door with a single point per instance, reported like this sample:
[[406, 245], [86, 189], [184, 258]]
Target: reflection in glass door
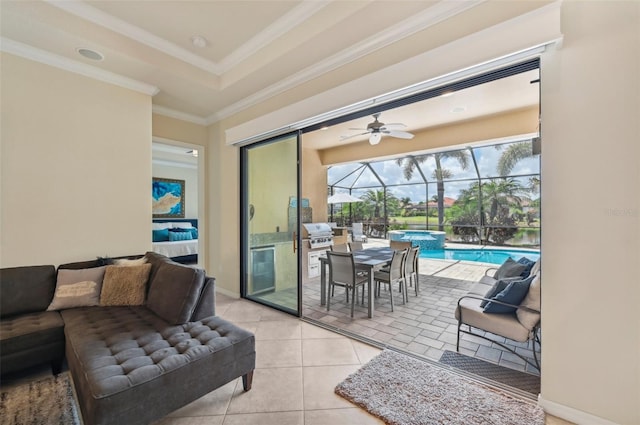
[[270, 258]]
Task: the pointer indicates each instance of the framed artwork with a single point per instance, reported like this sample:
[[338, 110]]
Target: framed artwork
[[168, 198]]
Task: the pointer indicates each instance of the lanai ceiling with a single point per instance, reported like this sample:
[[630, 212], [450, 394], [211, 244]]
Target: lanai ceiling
[[244, 53]]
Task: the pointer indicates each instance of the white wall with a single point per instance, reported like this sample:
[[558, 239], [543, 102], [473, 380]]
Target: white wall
[[190, 177], [591, 214], [76, 167]]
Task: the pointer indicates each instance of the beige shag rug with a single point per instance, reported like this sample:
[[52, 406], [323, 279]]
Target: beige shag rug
[[402, 390], [48, 401]]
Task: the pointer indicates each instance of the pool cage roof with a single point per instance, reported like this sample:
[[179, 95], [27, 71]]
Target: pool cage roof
[[416, 176]]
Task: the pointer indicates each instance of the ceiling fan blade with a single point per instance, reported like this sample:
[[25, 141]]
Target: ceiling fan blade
[[342, 138], [399, 134]]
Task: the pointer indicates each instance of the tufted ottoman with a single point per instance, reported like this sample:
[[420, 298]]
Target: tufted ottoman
[[129, 366]]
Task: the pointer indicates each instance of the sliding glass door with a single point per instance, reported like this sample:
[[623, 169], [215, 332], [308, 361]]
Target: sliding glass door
[[270, 217]]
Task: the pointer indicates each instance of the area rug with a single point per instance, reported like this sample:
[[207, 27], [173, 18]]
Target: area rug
[[513, 378], [402, 390], [48, 401]]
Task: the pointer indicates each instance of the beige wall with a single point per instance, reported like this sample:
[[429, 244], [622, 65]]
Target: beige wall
[[76, 162], [314, 183], [591, 212], [179, 130]]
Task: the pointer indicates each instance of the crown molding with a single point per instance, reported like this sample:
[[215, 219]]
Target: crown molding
[[295, 17], [92, 14], [172, 113], [28, 52], [418, 22]]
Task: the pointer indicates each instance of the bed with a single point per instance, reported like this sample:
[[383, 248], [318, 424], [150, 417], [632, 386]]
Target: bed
[[177, 239]]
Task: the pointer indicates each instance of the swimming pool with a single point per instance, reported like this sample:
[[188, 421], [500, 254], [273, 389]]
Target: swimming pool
[[487, 255]]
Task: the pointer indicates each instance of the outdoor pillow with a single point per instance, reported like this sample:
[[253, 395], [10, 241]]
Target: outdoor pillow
[[77, 288], [161, 235], [125, 285], [531, 300], [528, 266], [514, 293], [495, 290], [509, 268]]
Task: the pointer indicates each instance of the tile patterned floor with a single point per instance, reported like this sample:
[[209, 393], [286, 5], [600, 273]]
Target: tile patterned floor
[[298, 366]]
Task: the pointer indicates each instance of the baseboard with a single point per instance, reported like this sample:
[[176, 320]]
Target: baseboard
[[570, 414], [228, 293]]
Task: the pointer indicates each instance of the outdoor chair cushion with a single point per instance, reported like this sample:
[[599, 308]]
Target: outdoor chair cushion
[[506, 325], [531, 300]]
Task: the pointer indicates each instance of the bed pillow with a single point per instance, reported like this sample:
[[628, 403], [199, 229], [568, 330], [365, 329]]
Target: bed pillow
[[514, 293], [180, 236], [77, 288], [182, 225], [161, 235], [161, 226], [125, 285], [509, 268]]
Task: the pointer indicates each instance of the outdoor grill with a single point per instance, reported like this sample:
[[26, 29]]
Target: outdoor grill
[[320, 235]]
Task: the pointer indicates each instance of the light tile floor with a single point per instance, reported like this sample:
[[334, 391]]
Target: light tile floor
[[297, 367]]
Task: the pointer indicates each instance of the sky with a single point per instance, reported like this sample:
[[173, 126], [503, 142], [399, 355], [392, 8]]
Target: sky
[[487, 159]]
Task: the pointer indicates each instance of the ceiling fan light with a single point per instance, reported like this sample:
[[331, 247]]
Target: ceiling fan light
[[374, 138]]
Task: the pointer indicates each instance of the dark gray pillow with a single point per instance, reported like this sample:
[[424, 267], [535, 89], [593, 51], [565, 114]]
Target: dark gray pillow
[[26, 289], [497, 287], [174, 292], [509, 268]]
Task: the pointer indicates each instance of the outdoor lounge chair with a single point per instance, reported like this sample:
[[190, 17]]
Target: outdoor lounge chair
[[518, 322]]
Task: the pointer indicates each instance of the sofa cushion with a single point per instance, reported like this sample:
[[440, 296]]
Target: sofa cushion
[[174, 292], [77, 288], [506, 325], [531, 300], [509, 268], [513, 294], [26, 289], [23, 332], [125, 285], [129, 363]]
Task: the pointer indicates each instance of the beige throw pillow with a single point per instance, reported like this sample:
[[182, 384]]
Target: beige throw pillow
[[125, 285], [531, 300]]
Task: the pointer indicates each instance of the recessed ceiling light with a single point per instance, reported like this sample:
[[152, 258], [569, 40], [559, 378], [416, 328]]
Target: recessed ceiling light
[[90, 54], [199, 41], [324, 128]]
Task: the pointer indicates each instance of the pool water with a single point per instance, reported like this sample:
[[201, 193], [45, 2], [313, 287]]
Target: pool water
[[493, 256]]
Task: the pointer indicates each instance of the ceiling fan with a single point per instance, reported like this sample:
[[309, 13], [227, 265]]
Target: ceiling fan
[[377, 129]]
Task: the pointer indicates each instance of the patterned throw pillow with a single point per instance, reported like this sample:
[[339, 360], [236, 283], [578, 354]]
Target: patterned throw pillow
[[180, 236], [125, 285], [77, 288]]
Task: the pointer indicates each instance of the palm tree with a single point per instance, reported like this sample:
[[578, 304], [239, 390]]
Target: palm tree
[[410, 163], [404, 204], [512, 155]]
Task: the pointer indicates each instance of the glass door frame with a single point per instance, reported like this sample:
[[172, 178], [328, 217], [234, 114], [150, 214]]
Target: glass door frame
[[245, 248]]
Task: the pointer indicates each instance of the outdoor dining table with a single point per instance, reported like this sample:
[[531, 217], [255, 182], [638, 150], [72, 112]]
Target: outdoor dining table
[[369, 260]]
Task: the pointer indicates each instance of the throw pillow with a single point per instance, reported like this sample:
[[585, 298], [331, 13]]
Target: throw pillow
[[528, 266], [180, 236], [495, 290], [174, 292], [509, 268], [531, 300], [513, 294], [125, 285], [77, 288], [161, 235]]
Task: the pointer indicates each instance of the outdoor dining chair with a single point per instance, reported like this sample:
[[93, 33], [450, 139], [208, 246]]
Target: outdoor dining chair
[[342, 272], [393, 275], [411, 269], [355, 246]]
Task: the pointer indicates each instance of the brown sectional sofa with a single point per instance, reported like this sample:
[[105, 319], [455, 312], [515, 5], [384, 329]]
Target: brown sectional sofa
[[129, 364]]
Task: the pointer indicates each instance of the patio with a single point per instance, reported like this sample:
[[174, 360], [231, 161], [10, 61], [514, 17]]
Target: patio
[[426, 325]]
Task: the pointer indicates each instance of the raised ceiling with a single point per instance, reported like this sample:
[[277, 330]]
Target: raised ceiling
[[253, 50]]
